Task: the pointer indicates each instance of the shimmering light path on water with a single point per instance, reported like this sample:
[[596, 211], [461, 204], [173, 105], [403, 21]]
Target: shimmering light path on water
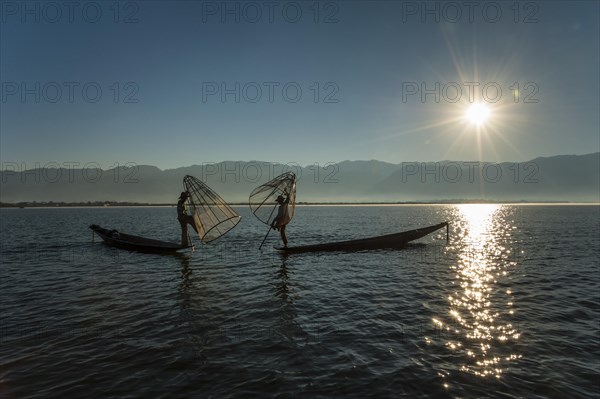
[[508, 307]]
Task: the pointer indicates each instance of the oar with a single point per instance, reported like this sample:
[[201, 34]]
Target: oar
[[264, 239], [268, 231]]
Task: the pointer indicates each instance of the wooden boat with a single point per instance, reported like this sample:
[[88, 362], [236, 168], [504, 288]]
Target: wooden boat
[[389, 241], [135, 243]]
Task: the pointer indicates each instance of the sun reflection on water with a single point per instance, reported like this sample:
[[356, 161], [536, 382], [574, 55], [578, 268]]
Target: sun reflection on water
[[478, 324]]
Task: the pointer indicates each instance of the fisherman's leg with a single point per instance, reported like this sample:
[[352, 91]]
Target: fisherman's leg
[[190, 221], [184, 233], [283, 236]]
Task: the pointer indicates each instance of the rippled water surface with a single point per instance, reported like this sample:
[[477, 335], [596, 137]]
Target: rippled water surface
[[509, 307]]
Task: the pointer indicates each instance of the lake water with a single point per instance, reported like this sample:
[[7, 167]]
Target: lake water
[[509, 307]]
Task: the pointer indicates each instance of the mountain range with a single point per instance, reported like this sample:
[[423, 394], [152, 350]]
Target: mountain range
[[570, 178]]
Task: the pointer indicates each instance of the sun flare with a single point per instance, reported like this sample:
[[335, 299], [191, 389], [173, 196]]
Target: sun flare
[[478, 114]]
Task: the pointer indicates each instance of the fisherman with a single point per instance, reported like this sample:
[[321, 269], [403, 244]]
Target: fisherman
[[184, 218], [282, 218]]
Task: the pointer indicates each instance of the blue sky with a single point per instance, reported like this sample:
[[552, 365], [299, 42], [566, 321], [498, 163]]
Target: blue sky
[[161, 67]]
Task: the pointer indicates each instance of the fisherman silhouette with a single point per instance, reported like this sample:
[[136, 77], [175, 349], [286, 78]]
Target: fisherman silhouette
[[184, 218], [282, 218]]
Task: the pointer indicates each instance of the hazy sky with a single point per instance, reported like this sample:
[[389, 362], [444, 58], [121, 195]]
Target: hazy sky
[[180, 83]]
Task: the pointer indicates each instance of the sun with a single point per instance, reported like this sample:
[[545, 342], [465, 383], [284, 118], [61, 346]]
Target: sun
[[478, 113]]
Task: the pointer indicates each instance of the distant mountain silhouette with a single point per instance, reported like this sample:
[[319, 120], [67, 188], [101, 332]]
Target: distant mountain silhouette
[[559, 178]]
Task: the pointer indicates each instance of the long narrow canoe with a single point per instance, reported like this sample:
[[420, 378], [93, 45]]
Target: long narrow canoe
[[391, 241], [135, 243]]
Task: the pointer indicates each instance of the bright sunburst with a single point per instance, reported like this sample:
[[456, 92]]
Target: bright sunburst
[[468, 113], [478, 113]]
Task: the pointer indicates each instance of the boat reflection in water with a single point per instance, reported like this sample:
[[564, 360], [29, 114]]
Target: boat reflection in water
[[479, 326]]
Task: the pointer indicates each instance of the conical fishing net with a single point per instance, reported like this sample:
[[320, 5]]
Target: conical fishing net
[[263, 199], [213, 217]]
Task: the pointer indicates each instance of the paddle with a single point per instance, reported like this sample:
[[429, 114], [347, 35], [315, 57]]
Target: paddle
[[268, 231]]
